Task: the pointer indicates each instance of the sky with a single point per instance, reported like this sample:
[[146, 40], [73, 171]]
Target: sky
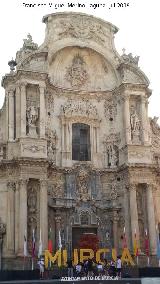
[[138, 22]]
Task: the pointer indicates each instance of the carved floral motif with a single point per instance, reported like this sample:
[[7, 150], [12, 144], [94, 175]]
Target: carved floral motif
[[110, 109]]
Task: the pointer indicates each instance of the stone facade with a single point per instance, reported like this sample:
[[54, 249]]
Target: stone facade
[[76, 77]]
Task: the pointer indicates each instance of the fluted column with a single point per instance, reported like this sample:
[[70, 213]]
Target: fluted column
[[151, 218], [144, 119], [11, 115], [22, 213], [126, 115], [58, 227], [115, 229], [23, 110], [44, 212], [134, 212], [42, 112], [11, 217]]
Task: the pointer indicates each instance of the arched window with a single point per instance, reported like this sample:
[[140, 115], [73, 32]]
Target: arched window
[[81, 142]]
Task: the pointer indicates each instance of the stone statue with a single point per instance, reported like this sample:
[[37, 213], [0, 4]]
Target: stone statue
[[112, 152], [135, 125], [32, 118]]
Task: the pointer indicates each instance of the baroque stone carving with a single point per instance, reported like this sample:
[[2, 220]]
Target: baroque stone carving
[[56, 190], [82, 28], [34, 148], [52, 140], [128, 58], [82, 182], [113, 193], [77, 74], [32, 114], [29, 44], [32, 210], [111, 149], [110, 109], [155, 134], [135, 123], [79, 108]]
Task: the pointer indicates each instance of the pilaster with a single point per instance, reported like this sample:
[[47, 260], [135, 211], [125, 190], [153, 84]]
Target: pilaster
[[42, 112], [151, 218], [22, 213], [44, 212], [11, 217]]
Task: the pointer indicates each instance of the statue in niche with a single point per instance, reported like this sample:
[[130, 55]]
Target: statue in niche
[[112, 152], [32, 118], [135, 125]]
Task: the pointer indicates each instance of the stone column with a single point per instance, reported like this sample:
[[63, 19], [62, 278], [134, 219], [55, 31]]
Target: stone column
[[115, 229], [126, 115], [134, 212], [11, 115], [42, 112], [58, 227], [44, 212], [144, 120], [22, 214], [127, 217], [6, 117], [2, 232], [151, 218], [11, 218], [18, 111], [23, 110], [17, 201]]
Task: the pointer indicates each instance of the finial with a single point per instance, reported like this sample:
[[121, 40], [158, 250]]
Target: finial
[[123, 50], [12, 63]]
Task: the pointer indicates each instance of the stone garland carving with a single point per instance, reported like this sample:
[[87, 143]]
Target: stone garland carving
[[82, 28], [34, 148], [49, 99], [79, 108], [135, 123], [113, 193], [32, 116], [52, 140], [110, 109], [32, 208], [111, 149], [77, 74]]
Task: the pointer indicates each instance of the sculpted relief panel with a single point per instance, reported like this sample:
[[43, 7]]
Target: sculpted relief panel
[[74, 68]]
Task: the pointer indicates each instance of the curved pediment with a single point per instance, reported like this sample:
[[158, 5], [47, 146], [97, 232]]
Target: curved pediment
[[82, 69]]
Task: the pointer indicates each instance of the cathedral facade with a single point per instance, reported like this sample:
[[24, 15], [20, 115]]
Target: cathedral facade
[[78, 152]]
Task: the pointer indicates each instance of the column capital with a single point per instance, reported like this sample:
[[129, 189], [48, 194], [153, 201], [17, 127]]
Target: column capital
[[11, 185], [58, 219], [131, 187], [22, 182], [43, 182]]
